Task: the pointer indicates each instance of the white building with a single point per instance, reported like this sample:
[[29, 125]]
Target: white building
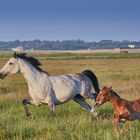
[[131, 46]]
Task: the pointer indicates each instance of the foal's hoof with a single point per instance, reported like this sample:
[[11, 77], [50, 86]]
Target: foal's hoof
[[127, 130], [122, 120], [120, 131]]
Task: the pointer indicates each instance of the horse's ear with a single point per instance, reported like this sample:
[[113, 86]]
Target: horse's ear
[[104, 91], [14, 54], [110, 87]]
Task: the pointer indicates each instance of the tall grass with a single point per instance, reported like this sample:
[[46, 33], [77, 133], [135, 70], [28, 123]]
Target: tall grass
[[72, 122]]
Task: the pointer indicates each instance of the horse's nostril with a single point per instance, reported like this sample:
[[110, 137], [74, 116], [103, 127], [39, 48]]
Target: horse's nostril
[[1, 75], [95, 103]]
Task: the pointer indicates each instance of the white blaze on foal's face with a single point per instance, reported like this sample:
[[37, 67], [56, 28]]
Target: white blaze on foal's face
[[9, 68]]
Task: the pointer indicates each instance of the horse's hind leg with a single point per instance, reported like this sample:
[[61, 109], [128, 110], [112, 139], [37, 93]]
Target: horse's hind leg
[[51, 106], [52, 109], [81, 100]]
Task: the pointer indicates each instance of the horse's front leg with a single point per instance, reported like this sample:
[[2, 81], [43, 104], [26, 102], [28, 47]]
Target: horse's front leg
[[25, 102], [92, 96]]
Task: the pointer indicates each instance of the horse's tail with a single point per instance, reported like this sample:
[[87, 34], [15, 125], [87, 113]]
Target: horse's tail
[[93, 79]]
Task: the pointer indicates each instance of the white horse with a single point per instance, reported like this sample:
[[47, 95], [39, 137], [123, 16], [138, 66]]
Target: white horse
[[52, 90]]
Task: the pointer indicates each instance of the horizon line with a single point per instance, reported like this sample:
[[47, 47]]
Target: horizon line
[[71, 40]]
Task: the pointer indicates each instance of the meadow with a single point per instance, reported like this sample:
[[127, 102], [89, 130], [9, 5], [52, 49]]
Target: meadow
[[121, 71]]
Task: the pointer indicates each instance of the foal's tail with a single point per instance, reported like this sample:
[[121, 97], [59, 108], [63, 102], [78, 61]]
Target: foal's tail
[[93, 79]]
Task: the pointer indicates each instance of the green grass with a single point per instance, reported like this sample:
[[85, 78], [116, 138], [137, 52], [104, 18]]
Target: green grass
[[90, 55], [69, 56], [71, 122]]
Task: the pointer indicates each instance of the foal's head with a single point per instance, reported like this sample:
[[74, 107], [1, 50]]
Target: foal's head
[[103, 96]]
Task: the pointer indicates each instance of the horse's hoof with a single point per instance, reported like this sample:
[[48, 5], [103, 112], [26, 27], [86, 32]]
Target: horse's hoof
[[53, 115], [28, 115], [95, 114], [31, 117], [92, 110]]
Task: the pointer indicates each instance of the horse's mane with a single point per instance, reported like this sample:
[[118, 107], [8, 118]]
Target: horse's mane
[[33, 61]]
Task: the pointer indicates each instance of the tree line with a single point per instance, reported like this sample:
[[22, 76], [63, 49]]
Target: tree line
[[67, 44]]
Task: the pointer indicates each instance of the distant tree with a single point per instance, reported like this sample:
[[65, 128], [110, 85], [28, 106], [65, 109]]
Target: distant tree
[[68, 44]]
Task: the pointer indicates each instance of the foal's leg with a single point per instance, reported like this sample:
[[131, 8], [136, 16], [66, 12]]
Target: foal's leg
[[139, 117], [25, 103], [116, 122], [81, 100]]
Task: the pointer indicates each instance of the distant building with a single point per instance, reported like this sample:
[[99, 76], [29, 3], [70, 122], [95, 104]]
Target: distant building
[[18, 49], [131, 46]]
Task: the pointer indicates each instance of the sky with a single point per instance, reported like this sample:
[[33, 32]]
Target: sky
[[89, 20]]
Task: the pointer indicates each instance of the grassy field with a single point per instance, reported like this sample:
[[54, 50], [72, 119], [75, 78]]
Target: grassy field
[[72, 122], [79, 54]]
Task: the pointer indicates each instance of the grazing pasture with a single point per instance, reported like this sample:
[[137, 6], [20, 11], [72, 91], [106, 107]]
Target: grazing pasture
[[71, 122]]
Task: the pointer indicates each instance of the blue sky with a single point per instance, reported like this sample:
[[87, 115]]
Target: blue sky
[[89, 20]]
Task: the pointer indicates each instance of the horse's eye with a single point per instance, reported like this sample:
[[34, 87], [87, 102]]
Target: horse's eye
[[103, 95], [10, 63]]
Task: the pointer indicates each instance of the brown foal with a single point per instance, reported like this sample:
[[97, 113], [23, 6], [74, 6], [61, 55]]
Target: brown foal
[[123, 109]]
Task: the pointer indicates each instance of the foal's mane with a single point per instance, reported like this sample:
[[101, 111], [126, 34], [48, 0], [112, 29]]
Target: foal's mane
[[33, 61], [113, 93]]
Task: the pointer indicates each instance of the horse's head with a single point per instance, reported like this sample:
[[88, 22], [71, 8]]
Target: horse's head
[[10, 67], [102, 96]]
